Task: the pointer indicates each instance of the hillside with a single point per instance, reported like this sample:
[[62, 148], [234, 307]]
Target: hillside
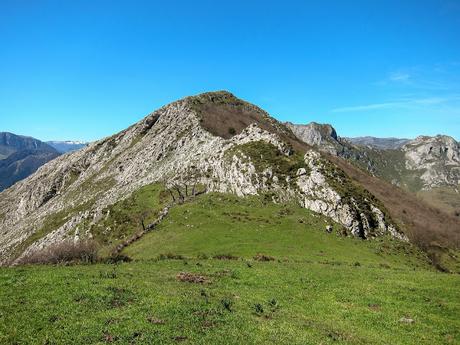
[[210, 222], [214, 140], [426, 166], [20, 157], [258, 273]]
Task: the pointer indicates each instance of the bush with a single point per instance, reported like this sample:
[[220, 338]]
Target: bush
[[63, 252], [258, 309], [227, 303]]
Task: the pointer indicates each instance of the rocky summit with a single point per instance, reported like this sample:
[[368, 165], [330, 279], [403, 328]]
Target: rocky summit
[[214, 140]]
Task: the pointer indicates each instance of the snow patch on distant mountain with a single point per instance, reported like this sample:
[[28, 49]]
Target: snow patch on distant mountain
[[67, 145]]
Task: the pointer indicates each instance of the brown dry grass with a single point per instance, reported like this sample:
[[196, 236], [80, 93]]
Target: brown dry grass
[[224, 115], [63, 252], [263, 257], [428, 227]]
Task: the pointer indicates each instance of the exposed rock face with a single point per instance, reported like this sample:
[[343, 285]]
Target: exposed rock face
[[321, 197], [438, 159], [67, 195], [416, 165], [319, 135]]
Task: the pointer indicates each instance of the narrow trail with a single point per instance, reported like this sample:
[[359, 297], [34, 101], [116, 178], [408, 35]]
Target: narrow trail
[[164, 212], [145, 229]]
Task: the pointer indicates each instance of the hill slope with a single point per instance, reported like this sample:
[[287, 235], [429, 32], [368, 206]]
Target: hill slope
[[257, 273], [214, 140], [426, 166]]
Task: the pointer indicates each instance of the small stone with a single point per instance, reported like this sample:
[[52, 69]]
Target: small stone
[[406, 320]]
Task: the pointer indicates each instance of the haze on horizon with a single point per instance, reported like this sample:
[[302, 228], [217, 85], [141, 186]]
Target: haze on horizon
[[84, 70]]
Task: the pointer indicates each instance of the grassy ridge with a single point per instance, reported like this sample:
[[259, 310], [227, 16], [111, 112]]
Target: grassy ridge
[[317, 288], [218, 224]]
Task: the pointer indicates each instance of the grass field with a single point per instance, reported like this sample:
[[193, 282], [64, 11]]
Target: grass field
[[199, 279]]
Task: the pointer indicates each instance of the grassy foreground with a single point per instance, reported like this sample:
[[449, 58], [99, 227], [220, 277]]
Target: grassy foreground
[[198, 279]]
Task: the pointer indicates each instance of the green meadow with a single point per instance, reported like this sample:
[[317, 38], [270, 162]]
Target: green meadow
[[226, 270]]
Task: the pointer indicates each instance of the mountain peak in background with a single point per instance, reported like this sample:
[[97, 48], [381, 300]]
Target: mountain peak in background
[[379, 143], [213, 140], [427, 166], [21, 156], [67, 145]]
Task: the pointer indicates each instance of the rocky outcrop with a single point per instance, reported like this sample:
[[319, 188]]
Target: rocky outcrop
[[437, 159], [358, 213], [420, 164], [318, 135], [70, 193]]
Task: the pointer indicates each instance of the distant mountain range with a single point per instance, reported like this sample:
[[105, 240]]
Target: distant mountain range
[[67, 146], [20, 156], [379, 143]]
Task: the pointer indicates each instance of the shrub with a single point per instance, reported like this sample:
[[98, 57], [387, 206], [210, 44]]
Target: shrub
[[227, 303], [258, 309], [64, 252]]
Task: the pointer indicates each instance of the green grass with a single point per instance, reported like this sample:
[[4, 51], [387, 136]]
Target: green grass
[[319, 289], [125, 217], [143, 303], [265, 155], [225, 224]]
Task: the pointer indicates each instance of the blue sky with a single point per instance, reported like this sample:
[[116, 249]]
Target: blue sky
[[87, 69]]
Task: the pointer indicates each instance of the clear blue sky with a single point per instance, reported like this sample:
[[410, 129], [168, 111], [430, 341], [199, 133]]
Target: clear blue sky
[[85, 69]]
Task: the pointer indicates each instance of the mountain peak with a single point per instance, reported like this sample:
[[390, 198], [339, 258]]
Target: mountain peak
[[231, 146], [318, 135]]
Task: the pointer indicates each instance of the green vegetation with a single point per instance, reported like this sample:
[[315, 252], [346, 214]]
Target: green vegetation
[[353, 193], [127, 216], [265, 155], [225, 270], [216, 224], [391, 166]]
